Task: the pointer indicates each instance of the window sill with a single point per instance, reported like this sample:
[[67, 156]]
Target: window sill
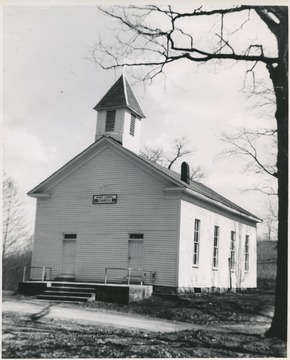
[[215, 269], [195, 266]]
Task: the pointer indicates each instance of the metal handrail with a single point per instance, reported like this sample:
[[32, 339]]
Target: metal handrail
[[129, 270], [43, 275]]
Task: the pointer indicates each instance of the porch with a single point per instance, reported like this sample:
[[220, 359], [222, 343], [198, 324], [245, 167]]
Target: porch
[[120, 285]]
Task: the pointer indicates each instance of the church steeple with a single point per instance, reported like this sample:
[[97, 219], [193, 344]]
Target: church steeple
[[119, 115]]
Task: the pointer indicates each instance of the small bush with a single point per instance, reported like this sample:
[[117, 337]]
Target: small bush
[[13, 269]]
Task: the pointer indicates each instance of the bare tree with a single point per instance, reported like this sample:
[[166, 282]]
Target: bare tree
[[180, 148], [271, 219], [154, 154], [155, 46], [16, 235], [245, 143]]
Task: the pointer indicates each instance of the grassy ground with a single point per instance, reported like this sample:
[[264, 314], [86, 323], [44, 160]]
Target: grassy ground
[[60, 339]]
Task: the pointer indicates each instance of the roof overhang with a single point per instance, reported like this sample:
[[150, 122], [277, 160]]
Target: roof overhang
[[107, 108], [196, 195]]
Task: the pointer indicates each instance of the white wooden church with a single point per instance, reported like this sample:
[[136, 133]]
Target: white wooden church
[[110, 208]]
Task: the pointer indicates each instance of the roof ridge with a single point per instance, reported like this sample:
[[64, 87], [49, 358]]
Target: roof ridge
[[125, 89]]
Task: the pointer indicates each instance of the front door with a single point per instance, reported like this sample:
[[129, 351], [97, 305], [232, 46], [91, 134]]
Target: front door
[[136, 260], [136, 254], [68, 257]]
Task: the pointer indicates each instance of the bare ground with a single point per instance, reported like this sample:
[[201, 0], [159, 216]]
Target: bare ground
[[238, 314]]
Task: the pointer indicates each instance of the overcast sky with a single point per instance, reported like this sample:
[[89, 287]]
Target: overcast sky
[[51, 86]]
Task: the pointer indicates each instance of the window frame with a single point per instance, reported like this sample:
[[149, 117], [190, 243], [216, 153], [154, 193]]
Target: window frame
[[136, 236], [215, 247], [69, 236], [232, 250], [196, 243], [247, 253]]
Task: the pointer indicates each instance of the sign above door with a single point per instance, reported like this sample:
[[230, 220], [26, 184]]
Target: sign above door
[[104, 199]]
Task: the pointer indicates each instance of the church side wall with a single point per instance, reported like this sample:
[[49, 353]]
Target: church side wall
[[103, 230], [203, 275]]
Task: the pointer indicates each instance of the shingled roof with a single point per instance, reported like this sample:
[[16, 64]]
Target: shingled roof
[[203, 190], [120, 95]]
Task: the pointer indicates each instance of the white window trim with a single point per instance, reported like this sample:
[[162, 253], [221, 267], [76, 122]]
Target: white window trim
[[216, 247], [196, 243]]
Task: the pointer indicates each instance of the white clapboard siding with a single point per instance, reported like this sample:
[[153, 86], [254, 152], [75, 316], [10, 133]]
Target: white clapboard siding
[[204, 275], [103, 230]]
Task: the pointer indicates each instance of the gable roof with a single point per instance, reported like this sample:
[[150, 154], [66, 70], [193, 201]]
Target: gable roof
[[194, 186], [204, 190], [120, 95]]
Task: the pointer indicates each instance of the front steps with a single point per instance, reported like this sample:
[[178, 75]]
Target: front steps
[[80, 291], [63, 291]]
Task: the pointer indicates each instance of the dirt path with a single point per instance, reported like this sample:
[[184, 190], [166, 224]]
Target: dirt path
[[116, 320], [113, 318]]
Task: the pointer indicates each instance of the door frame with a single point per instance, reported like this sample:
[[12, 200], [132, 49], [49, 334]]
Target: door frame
[[140, 239], [67, 240]]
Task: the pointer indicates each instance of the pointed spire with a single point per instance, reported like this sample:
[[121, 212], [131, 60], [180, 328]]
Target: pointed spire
[[120, 95]]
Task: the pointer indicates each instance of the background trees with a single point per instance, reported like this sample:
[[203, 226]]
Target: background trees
[[16, 236], [154, 37], [179, 148]]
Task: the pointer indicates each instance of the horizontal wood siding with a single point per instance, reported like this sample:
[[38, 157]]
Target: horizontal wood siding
[[204, 275], [103, 230]]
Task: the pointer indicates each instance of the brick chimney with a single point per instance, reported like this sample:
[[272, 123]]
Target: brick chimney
[[185, 172]]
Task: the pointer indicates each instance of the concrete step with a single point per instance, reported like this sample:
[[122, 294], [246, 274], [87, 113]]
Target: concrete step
[[62, 298], [71, 284], [72, 288], [68, 293]]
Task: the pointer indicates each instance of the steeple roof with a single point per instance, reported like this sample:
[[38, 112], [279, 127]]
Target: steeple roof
[[120, 95]]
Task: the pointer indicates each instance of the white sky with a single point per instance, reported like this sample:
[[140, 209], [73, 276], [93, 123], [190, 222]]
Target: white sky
[[51, 87]]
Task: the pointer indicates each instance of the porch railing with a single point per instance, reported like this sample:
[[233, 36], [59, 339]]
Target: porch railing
[[145, 276], [45, 273]]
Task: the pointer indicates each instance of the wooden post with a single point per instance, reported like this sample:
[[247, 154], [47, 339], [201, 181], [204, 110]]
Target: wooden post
[[106, 275], [129, 273], [24, 273], [43, 273]]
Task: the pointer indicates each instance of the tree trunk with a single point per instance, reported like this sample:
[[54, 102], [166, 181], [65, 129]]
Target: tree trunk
[[279, 76]]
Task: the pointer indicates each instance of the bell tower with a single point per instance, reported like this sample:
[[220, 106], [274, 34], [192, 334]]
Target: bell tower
[[120, 115]]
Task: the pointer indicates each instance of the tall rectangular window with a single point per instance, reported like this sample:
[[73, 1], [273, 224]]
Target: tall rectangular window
[[215, 247], [247, 253], [132, 124], [232, 247], [196, 242], [110, 120]]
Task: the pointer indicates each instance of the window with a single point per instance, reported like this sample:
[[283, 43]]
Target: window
[[132, 125], [215, 247], [247, 253], [110, 120], [232, 257], [196, 242], [70, 236], [136, 236]]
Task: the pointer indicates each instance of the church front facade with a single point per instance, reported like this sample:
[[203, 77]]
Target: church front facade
[[108, 208]]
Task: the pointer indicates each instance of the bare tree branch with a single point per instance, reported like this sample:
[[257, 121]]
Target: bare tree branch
[[180, 148], [244, 142]]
